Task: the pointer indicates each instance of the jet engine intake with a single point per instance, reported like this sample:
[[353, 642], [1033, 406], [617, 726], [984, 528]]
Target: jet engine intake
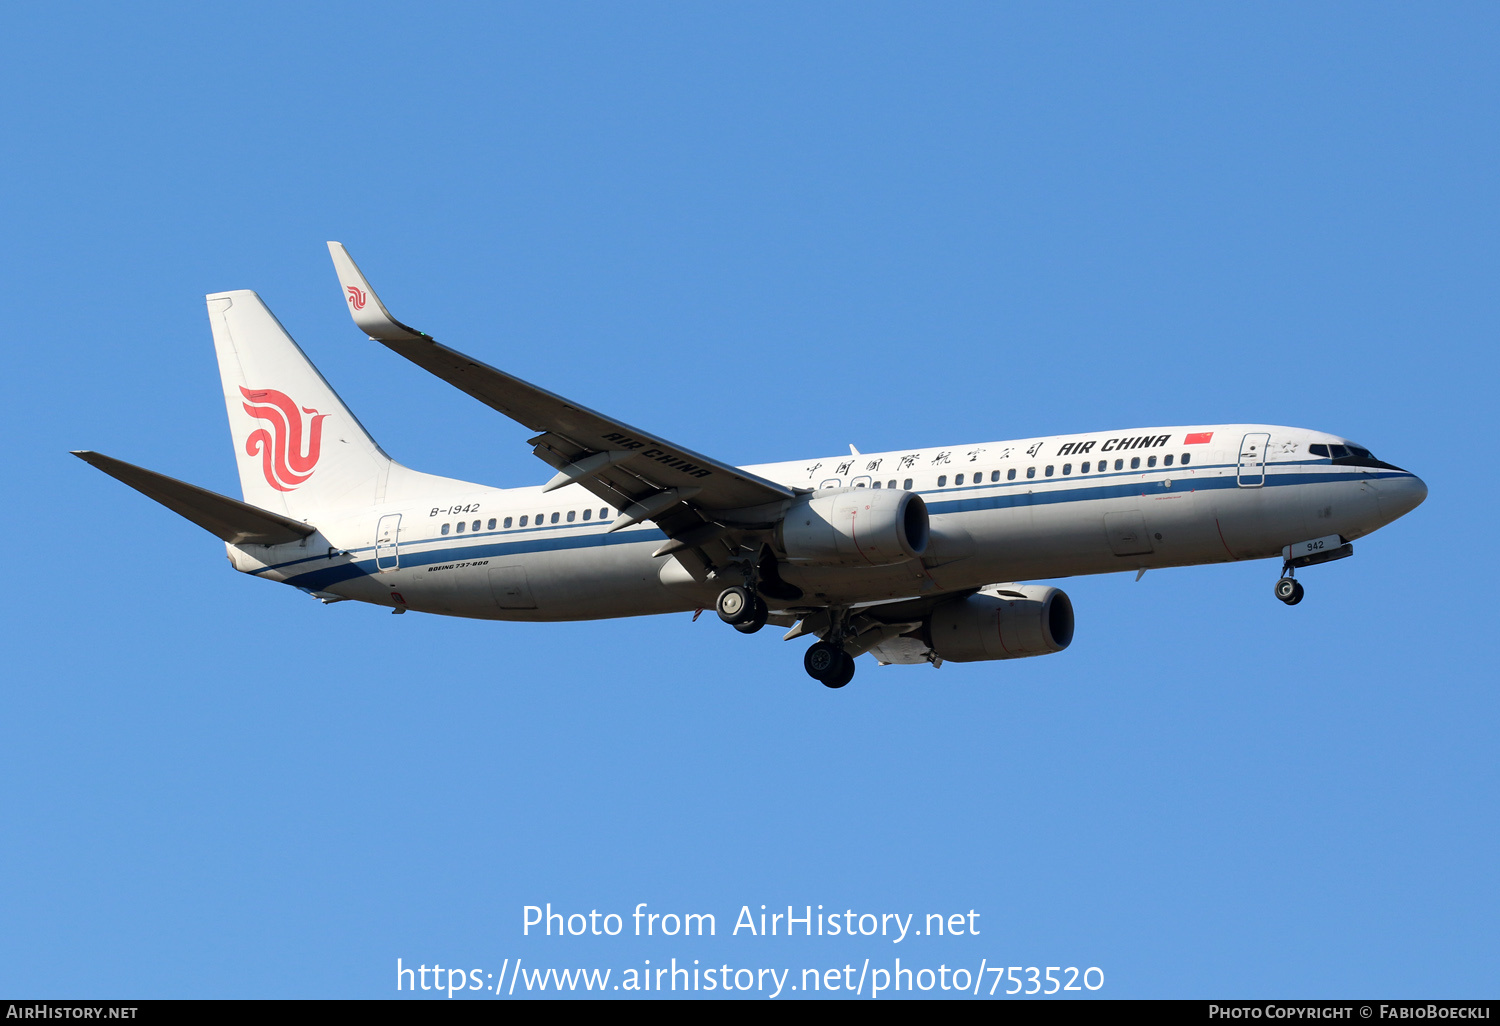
[[1010, 622], [855, 527]]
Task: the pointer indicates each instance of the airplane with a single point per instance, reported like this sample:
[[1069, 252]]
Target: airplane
[[909, 556]]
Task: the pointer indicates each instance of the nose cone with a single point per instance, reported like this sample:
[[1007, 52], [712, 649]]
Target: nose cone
[[1400, 495]]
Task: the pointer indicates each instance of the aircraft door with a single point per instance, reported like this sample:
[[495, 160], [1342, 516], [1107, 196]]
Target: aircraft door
[[387, 551], [1252, 472]]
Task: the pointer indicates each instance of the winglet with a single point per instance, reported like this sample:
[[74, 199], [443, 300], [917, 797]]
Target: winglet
[[365, 307]]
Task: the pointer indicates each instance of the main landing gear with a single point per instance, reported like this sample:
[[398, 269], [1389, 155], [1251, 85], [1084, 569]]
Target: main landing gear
[[829, 664], [1289, 590], [742, 609], [826, 661]]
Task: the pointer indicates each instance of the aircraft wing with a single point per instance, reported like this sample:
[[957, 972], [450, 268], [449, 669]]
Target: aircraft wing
[[643, 475], [230, 519]]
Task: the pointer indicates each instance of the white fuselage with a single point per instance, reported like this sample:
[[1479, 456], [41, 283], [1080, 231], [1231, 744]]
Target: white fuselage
[[1000, 511]]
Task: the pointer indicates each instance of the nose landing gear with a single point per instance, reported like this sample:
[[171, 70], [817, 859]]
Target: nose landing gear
[[1308, 553], [1289, 590]]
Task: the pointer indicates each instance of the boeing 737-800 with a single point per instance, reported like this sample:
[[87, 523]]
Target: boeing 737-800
[[896, 554]]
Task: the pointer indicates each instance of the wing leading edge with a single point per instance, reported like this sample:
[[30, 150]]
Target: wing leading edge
[[694, 499]]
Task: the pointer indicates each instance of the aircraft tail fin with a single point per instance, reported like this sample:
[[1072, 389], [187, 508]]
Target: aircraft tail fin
[[299, 449]]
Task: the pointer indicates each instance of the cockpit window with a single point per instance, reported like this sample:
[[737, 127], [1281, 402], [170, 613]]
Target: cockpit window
[[1347, 453]]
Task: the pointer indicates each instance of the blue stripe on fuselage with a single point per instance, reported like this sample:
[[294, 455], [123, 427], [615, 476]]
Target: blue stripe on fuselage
[[1123, 490], [317, 580]]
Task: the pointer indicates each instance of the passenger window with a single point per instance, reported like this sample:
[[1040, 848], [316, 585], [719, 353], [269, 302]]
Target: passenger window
[[523, 521], [475, 526], [875, 485], [604, 513], [445, 529], [571, 515], [892, 484], [994, 476], [1067, 469], [587, 513], [461, 526], [491, 526], [1084, 469], [907, 485], [1187, 458], [1010, 475], [1318, 449], [554, 518], [507, 523], [1150, 461], [959, 479], [1049, 471], [1166, 460], [943, 481], [1135, 463], [1119, 464], [1031, 472]]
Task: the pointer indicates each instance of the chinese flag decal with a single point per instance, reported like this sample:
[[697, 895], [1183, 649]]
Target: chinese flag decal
[[1201, 438]]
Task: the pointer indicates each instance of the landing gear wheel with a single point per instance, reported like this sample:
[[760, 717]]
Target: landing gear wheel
[[845, 674], [1289, 590], [735, 605], [758, 612], [821, 660], [829, 664]]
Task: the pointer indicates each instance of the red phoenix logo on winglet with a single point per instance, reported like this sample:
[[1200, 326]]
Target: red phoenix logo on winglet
[[357, 296], [284, 461]]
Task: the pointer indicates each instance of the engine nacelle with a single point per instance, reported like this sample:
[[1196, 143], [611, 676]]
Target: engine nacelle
[[855, 527], [1017, 620]]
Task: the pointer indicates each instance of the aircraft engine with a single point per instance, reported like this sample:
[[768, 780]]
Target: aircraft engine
[[855, 527], [1017, 620]]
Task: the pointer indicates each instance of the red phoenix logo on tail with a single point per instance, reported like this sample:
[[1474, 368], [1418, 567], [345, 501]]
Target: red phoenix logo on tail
[[356, 296], [284, 461]]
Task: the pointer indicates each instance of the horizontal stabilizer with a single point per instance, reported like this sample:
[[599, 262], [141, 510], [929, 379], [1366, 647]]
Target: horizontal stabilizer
[[230, 519]]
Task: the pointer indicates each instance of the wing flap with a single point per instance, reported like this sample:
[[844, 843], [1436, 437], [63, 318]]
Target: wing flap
[[230, 519]]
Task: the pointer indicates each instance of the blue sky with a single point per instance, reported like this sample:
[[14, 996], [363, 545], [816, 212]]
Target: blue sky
[[764, 231]]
